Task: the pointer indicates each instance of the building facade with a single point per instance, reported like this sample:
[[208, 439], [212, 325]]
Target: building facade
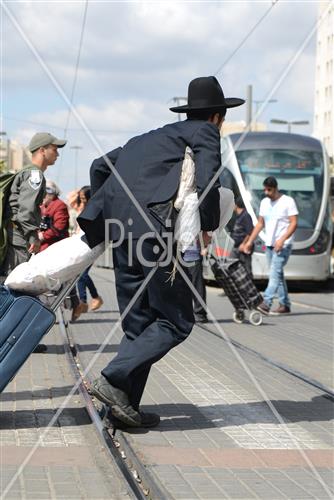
[[324, 78], [13, 156], [240, 127]]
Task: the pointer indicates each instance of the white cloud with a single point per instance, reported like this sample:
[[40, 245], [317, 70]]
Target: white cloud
[[137, 56], [152, 45]]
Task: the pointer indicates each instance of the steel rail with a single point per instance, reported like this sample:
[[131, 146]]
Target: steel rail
[[288, 369], [142, 485]]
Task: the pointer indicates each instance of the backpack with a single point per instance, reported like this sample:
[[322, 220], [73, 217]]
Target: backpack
[[6, 181]]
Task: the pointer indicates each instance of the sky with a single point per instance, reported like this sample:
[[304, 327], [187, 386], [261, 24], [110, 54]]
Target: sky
[[136, 57]]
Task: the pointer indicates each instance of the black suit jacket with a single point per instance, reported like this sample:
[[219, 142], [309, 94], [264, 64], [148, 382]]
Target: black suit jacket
[[147, 176]]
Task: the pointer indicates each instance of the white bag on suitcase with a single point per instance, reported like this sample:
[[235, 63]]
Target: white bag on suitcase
[[59, 263]]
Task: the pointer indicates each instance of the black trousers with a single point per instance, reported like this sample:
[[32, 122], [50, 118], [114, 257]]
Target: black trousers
[[15, 255], [196, 273], [161, 318]]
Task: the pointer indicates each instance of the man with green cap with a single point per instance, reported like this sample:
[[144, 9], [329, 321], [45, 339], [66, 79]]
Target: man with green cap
[[26, 195]]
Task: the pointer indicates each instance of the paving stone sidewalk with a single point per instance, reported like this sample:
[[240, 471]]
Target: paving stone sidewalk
[[64, 461], [232, 426]]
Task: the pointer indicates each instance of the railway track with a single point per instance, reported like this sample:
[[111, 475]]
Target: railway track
[[141, 484], [329, 393]]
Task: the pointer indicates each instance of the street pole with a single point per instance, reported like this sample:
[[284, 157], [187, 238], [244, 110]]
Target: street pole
[[76, 156], [289, 123], [177, 102], [249, 100]]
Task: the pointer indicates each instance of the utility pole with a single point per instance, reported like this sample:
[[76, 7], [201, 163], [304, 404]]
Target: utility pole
[[289, 123], [177, 102], [76, 156], [249, 101]]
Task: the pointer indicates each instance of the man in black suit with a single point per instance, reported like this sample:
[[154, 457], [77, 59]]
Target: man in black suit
[[134, 188]]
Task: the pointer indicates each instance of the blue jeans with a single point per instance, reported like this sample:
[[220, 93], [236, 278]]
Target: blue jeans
[[85, 281], [277, 284]]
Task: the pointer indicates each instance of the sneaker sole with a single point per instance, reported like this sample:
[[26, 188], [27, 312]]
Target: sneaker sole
[[116, 410]]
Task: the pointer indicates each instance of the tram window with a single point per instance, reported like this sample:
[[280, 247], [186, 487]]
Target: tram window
[[299, 174]]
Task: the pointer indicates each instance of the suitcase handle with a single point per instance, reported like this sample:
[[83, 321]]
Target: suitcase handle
[[65, 289]]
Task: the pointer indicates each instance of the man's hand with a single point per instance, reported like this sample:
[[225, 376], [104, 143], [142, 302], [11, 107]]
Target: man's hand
[[204, 252], [206, 238], [246, 248], [34, 247], [278, 245], [40, 236]]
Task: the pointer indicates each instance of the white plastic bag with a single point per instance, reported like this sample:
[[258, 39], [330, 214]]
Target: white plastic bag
[[226, 205], [188, 222], [59, 263], [187, 179]]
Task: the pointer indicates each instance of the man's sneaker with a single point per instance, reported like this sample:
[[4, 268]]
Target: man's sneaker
[[81, 308], [282, 310], [201, 318], [117, 400], [263, 308], [148, 420], [95, 304]]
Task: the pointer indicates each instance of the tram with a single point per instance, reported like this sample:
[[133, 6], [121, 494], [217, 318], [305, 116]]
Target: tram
[[301, 167]]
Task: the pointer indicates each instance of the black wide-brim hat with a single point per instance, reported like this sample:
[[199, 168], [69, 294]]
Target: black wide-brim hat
[[205, 93]]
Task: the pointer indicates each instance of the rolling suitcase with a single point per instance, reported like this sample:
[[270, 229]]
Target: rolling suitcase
[[232, 276], [24, 320]]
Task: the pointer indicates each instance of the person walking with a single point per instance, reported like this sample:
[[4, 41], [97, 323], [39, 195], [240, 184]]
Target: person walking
[[241, 231], [54, 225], [134, 206], [278, 216], [85, 281], [55, 217], [23, 205]]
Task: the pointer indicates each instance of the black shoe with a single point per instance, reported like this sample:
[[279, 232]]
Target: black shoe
[[148, 420], [201, 318], [40, 348], [263, 308], [117, 400]]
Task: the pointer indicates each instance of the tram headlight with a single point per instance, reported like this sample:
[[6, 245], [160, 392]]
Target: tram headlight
[[321, 244], [259, 246]]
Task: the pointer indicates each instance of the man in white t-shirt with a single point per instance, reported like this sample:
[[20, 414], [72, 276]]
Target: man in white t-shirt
[[278, 217]]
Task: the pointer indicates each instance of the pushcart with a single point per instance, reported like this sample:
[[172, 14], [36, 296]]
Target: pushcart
[[237, 284]]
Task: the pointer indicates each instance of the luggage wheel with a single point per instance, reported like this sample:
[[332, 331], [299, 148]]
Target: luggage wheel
[[255, 318], [238, 317]]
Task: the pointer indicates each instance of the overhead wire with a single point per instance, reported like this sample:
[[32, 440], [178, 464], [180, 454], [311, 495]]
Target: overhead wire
[[83, 25], [74, 84], [72, 129], [243, 41]]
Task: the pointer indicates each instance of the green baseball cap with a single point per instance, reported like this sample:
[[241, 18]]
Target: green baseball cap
[[42, 139]]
